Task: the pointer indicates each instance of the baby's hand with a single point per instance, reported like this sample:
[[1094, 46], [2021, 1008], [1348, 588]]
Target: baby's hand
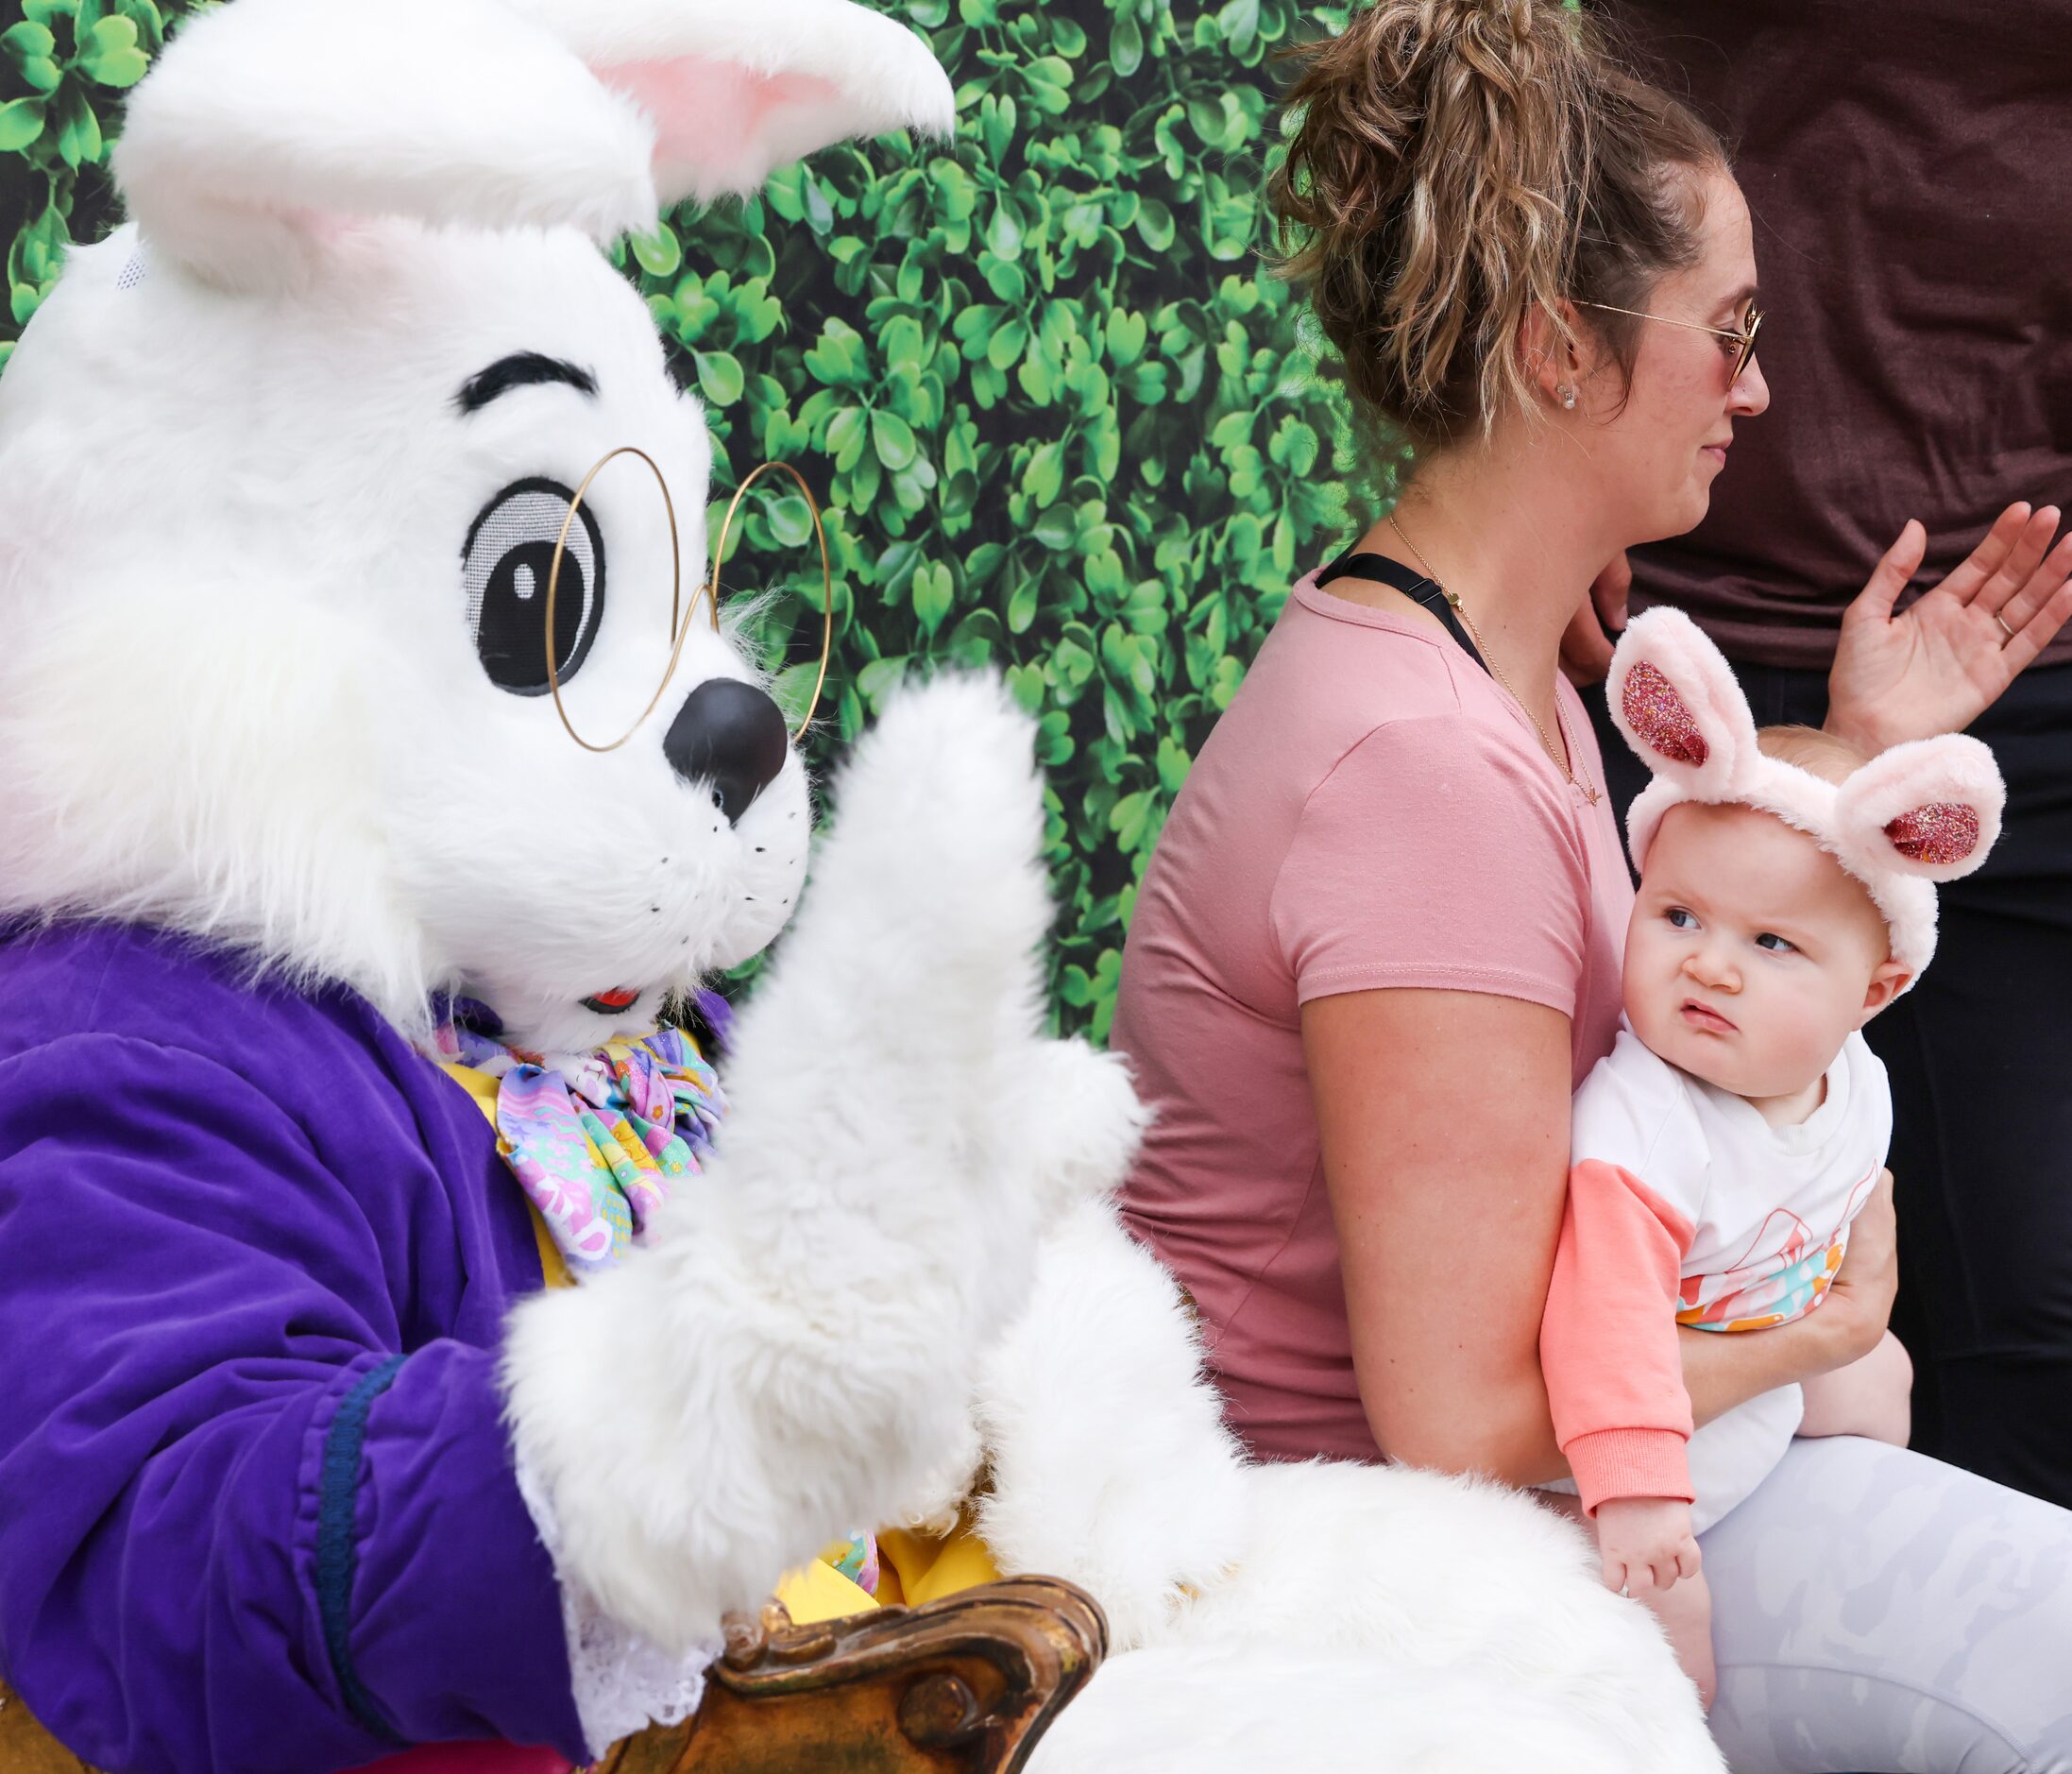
[[1645, 1543]]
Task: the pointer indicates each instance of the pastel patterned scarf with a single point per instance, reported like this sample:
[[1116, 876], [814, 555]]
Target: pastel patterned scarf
[[596, 1139]]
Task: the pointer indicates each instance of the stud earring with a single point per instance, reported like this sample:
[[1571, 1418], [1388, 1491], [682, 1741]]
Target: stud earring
[[1568, 396]]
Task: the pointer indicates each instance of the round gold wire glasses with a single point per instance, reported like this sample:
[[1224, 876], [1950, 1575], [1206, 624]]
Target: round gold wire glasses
[[679, 618]]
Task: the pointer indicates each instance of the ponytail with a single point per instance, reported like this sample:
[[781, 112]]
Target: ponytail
[[1458, 163]]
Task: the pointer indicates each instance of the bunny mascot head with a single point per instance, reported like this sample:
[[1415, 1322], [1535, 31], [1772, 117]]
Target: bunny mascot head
[[293, 759], [1921, 812], [286, 462]]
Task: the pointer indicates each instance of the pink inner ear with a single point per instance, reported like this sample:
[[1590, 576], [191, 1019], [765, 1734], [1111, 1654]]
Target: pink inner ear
[[1655, 712], [1939, 834], [711, 115]]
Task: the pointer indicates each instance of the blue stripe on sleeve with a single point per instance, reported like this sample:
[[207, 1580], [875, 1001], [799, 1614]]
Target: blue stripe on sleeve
[[335, 1546]]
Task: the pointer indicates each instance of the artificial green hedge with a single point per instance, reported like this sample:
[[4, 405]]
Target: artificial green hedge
[[1059, 411]]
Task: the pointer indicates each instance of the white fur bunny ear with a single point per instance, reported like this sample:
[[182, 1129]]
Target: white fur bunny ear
[[269, 125], [1930, 807], [736, 91], [1676, 700]]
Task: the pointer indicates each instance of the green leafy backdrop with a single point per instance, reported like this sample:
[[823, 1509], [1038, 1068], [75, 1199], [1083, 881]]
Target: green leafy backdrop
[[1061, 416]]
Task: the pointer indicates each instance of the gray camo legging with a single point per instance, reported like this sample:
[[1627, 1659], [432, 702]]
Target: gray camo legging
[[1875, 1611]]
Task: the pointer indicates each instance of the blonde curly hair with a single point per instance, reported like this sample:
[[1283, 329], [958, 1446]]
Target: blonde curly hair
[[1456, 163]]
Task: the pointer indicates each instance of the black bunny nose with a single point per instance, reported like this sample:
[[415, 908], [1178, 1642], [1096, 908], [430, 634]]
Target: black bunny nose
[[731, 735]]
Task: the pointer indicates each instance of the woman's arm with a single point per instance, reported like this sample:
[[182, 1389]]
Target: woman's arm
[[1444, 1120], [1720, 1372]]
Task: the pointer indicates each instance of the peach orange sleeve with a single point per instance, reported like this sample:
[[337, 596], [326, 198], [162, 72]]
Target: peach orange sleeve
[[1607, 1344]]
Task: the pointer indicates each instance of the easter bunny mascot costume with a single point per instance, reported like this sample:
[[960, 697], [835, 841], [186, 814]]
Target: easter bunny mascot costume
[[334, 929]]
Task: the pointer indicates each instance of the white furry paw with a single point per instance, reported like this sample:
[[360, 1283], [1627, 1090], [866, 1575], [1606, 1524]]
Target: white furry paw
[[1077, 1124], [878, 1084], [1110, 1463], [939, 1501], [928, 902]]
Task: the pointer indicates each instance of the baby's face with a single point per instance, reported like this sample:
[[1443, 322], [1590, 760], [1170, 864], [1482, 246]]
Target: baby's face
[[1752, 954]]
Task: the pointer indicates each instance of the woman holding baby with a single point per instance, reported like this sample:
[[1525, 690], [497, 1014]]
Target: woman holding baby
[[1382, 942]]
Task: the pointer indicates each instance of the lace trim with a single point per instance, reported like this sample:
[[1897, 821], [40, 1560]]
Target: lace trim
[[623, 1682]]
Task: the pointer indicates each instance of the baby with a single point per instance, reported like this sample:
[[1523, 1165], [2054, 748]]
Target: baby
[[1722, 1150]]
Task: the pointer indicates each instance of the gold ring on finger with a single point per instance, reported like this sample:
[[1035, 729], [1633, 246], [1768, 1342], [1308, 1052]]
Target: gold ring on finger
[[2004, 628]]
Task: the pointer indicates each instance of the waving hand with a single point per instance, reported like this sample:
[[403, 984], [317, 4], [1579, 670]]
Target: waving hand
[[1935, 666]]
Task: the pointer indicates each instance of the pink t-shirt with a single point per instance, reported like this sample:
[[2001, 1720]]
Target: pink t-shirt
[[1371, 811]]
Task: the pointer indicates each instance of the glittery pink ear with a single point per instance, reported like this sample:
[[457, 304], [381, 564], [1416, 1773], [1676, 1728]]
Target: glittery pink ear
[[1657, 717], [1675, 699], [1930, 808], [1939, 834]]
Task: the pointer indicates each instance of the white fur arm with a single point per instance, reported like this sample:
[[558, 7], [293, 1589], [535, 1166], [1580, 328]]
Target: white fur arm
[[794, 1352], [1110, 1463]]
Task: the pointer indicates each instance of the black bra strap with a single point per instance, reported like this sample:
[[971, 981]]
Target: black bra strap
[[1414, 586]]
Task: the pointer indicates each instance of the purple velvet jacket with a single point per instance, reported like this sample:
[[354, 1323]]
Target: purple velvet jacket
[[257, 1507]]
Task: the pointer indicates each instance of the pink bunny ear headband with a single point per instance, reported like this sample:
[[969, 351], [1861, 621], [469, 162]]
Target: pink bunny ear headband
[[1925, 812]]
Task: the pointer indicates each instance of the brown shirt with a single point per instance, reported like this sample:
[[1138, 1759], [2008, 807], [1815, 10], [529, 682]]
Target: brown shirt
[[1909, 165]]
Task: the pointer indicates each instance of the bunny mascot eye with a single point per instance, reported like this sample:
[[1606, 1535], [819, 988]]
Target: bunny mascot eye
[[505, 564]]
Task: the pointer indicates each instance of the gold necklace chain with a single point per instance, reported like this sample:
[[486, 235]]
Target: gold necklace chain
[[1558, 758]]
